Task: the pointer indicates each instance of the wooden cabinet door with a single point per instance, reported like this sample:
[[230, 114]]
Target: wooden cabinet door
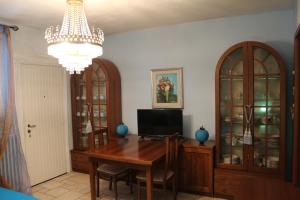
[[79, 98], [267, 100], [231, 98], [296, 110], [197, 171]]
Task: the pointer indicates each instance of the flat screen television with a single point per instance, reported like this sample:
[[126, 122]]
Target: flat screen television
[[159, 122]]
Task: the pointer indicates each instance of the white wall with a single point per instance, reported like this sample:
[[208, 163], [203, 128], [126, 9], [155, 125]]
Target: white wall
[[297, 8], [196, 47]]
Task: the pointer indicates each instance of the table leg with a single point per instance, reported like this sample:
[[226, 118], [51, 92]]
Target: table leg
[[92, 167], [149, 182]]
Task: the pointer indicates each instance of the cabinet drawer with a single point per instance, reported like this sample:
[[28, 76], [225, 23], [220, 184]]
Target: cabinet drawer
[[79, 157], [80, 162]]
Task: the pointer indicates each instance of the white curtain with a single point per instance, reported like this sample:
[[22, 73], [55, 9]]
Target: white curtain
[[13, 169]]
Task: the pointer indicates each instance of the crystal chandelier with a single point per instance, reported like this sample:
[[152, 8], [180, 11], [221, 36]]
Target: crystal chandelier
[[74, 44]]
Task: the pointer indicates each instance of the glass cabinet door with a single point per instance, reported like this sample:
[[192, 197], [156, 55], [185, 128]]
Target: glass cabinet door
[[266, 105], [99, 99], [231, 109], [81, 112]]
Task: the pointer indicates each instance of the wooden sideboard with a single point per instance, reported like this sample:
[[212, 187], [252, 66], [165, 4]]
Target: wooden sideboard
[[196, 167]]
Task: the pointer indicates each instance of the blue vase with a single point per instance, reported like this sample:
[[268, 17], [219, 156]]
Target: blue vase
[[122, 130], [201, 135]]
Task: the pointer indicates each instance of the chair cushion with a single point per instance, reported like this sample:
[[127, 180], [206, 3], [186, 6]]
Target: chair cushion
[[111, 169], [158, 175]]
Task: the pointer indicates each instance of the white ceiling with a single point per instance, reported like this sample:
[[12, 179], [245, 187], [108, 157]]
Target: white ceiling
[[124, 15]]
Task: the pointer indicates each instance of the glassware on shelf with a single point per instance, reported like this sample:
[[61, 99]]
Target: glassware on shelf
[[237, 114], [237, 92], [258, 159], [271, 162], [233, 159], [96, 114], [95, 97], [84, 141], [273, 143], [102, 113], [102, 98]]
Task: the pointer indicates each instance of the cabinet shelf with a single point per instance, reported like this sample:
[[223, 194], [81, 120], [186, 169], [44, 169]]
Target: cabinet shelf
[[101, 104]]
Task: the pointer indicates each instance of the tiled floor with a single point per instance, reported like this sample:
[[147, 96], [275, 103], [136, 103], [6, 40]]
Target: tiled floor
[[75, 186]]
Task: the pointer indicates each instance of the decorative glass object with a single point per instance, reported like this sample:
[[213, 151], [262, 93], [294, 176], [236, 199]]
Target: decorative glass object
[[201, 135], [122, 130]]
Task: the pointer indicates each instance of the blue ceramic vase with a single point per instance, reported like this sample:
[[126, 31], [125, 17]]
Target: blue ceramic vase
[[122, 130], [201, 135]]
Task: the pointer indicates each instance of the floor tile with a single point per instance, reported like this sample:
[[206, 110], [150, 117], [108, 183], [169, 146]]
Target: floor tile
[[42, 196], [51, 184], [56, 192], [71, 195]]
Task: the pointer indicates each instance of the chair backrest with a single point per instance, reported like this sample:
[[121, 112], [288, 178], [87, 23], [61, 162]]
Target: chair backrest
[[171, 154], [96, 133]]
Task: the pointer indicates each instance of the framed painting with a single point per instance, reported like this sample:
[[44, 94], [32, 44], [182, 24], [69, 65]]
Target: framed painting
[[167, 88]]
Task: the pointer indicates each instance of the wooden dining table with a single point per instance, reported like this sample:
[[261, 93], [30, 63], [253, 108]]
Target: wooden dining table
[[131, 151]]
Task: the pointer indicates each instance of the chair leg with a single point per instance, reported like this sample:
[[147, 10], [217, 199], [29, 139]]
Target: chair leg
[[174, 188], [138, 190], [110, 183], [130, 181], [97, 185], [115, 188], [165, 190]]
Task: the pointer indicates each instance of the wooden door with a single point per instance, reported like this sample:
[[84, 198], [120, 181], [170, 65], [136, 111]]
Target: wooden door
[[44, 122]]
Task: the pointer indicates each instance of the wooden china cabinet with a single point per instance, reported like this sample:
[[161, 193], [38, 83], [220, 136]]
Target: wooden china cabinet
[[296, 109], [95, 94], [250, 92]]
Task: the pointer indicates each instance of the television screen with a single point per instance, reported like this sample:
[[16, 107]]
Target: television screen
[[159, 122]]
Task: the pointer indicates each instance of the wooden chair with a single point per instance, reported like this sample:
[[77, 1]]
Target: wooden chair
[[161, 176], [108, 172]]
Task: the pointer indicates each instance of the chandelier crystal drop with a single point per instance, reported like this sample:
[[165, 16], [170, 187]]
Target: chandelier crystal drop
[[74, 44]]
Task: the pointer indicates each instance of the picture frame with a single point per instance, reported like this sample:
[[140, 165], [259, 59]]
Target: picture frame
[[167, 88]]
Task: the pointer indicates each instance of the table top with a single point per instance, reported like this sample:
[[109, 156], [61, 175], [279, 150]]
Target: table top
[[130, 149]]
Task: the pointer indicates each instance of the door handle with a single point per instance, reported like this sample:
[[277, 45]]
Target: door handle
[[31, 126]]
